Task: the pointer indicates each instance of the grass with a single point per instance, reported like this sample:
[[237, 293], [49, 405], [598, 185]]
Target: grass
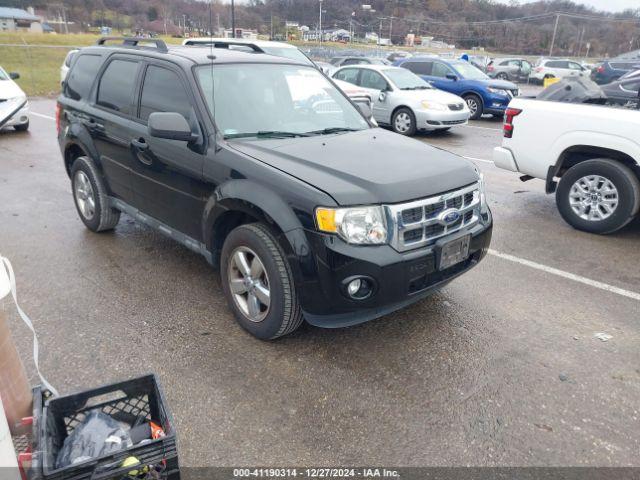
[[39, 57]]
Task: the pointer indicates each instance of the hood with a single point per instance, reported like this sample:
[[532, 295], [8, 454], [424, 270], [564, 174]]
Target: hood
[[366, 167], [433, 95], [9, 89], [505, 85]]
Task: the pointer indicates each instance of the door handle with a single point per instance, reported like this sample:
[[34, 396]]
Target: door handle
[[140, 144]]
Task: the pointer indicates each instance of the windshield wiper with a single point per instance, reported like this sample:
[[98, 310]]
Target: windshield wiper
[[266, 134], [329, 130]]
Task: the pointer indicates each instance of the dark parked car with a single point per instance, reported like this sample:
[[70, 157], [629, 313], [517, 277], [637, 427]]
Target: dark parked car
[[264, 167], [610, 70], [482, 94], [624, 91]]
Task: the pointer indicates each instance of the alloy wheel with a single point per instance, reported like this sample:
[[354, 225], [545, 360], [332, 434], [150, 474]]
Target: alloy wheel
[[85, 197], [473, 105], [249, 284], [593, 198]]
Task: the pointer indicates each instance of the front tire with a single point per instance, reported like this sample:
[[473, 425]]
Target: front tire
[[404, 122], [598, 196], [90, 196], [474, 102], [258, 282], [502, 76]]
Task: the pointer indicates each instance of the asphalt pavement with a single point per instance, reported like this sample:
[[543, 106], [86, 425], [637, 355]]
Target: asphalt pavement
[[502, 367]]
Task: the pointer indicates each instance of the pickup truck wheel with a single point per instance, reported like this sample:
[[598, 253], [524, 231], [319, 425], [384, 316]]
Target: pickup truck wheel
[[598, 196], [90, 197], [475, 106], [404, 122], [258, 282]]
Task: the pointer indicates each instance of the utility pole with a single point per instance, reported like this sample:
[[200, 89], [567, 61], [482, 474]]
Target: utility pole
[[233, 20], [271, 37], [320, 21], [391, 29], [380, 32], [553, 38]]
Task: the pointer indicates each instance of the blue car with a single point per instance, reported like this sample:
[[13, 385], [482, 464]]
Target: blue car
[[611, 70], [482, 94]]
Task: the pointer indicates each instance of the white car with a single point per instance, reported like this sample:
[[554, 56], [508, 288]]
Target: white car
[[404, 101], [14, 107], [589, 155], [279, 49], [558, 69], [64, 68]]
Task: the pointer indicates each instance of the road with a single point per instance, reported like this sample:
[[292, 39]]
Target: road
[[499, 368]]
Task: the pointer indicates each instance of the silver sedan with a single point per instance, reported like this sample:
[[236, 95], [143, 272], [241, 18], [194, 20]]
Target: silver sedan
[[404, 101]]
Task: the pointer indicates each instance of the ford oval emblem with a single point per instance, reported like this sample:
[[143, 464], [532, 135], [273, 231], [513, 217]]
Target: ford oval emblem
[[449, 217]]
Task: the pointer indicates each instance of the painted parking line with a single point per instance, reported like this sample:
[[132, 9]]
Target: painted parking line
[[42, 116], [571, 276], [483, 128]]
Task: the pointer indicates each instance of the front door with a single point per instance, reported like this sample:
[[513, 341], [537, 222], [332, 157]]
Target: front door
[[168, 173], [375, 85]]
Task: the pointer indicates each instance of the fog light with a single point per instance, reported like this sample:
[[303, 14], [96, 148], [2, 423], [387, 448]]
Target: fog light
[[353, 287], [358, 287]]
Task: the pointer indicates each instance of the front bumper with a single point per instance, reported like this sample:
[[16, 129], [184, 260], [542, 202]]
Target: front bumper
[[21, 117], [496, 104], [400, 278], [432, 119]]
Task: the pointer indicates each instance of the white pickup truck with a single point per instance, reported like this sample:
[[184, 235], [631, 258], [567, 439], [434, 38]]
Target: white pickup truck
[[593, 150]]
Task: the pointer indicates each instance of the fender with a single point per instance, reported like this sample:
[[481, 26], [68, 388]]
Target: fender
[[78, 136], [609, 141], [256, 200]]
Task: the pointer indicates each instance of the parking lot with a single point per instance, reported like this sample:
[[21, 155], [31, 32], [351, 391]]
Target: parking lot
[[499, 368]]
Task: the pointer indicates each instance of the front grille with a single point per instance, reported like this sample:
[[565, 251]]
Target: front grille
[[456, 107], [420, 223]]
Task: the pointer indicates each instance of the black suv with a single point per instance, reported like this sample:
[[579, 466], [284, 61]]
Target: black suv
[[264, 167]]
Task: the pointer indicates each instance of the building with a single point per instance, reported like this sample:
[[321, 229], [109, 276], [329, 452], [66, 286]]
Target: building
[[245, 33], [16, 19]]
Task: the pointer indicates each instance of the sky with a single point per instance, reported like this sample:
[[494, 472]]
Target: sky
[[606, 5]]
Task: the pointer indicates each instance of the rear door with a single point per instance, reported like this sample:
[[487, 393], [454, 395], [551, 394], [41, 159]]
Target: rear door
[[108, 121], [168, 173]]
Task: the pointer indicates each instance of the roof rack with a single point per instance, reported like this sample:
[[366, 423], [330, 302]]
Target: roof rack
[[224, 44], [134, 41]]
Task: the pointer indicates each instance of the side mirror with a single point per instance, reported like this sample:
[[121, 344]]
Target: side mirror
[[171, 126], [453, 77], [382, 97], [365, 109], [14, 75]]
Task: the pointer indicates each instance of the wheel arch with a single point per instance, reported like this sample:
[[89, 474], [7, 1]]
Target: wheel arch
[[238, 202]]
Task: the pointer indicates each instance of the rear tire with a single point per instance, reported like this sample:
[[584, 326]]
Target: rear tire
[[598, 196], [90, 197], [474, 102], [404, 122], [268, 285]]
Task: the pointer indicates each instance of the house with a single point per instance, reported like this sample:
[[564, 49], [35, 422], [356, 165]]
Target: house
[[16, 19]]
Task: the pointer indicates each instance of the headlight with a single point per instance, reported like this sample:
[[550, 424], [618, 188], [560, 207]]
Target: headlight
[[498, 91], [484, 204], [433, 105], [358, 225]]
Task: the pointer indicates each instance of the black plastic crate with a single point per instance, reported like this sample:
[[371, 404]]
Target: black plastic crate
[[138, 397]]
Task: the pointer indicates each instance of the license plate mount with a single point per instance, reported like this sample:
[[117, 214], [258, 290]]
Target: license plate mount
[[453, 251]]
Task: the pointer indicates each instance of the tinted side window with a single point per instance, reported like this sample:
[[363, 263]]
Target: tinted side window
[[553, 64], [440, 70], [116, 86], [353, 61], [348, 75], [80, 78], [163, 91], [419, 68]]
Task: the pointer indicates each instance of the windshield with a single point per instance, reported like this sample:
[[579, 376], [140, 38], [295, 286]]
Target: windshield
[[405, 79], [468, 71], [283, 100], [3, 75], [291, 53]]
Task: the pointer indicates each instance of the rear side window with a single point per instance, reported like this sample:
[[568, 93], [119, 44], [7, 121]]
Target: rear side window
[[115, 91], [419, 68], [622, 66], [80, 78], [163, 91]]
